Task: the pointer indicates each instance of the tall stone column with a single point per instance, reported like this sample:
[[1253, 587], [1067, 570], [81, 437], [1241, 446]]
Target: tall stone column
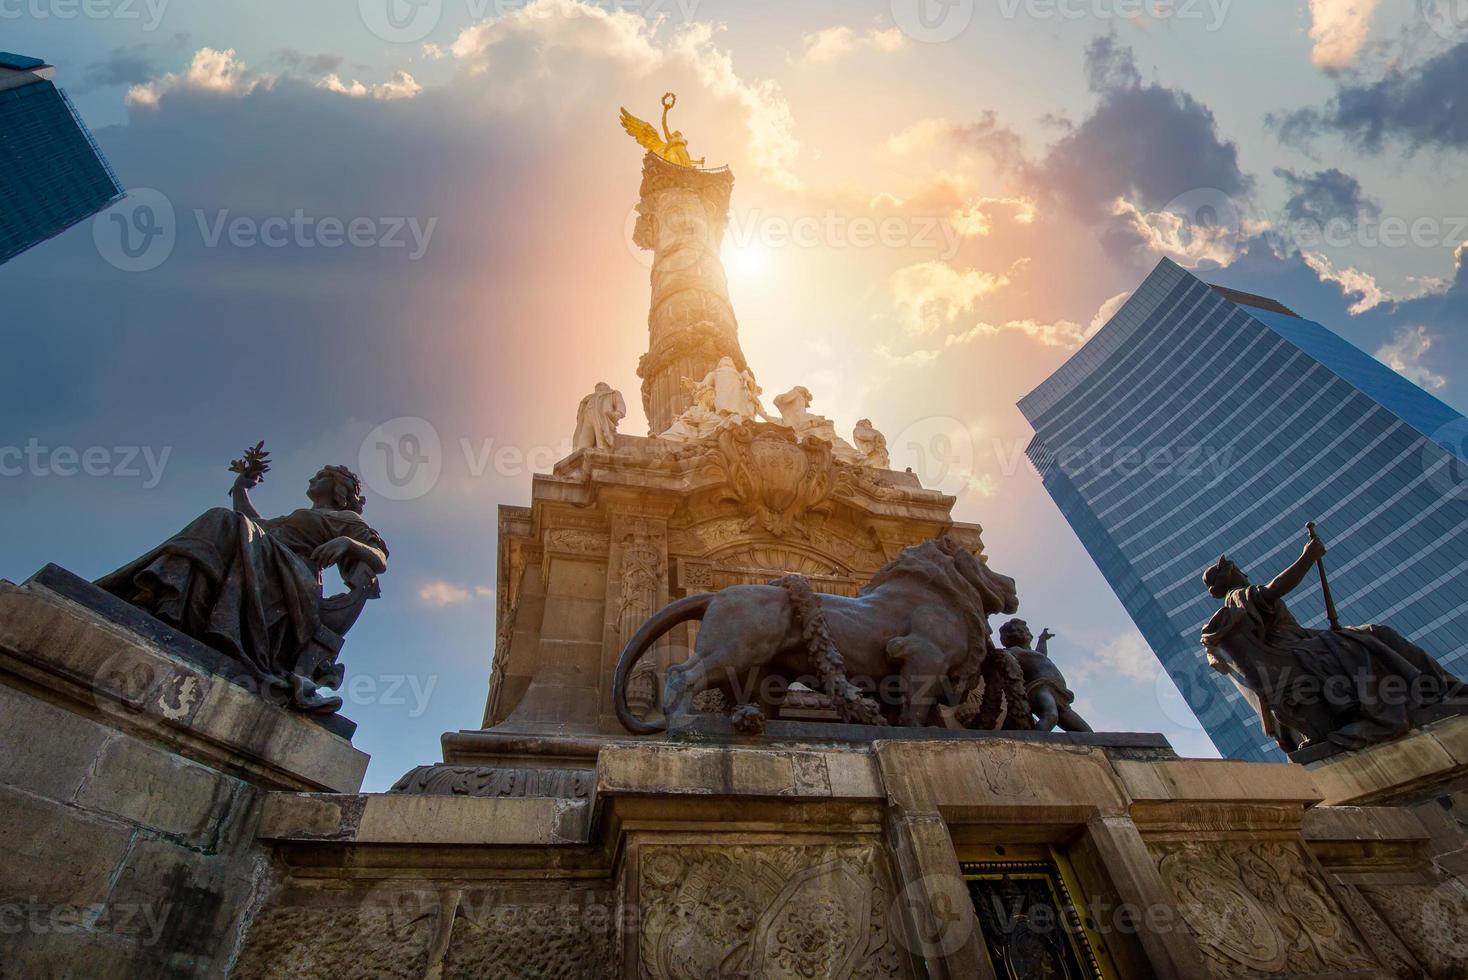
[[681, 219]]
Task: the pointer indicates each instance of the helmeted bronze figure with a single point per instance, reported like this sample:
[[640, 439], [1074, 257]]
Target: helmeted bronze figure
[[1349, 687], [250, 587]]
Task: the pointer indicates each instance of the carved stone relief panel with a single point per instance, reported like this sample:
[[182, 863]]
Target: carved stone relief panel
[[539, 932], [1261, 909], [1431, 921], [639, 569], [1385, 943], [767, 911]]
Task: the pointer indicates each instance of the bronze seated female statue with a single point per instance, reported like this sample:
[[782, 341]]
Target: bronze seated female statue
[[250, 587]]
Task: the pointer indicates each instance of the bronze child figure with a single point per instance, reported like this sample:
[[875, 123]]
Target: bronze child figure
[[1050, 699], [250, 586]]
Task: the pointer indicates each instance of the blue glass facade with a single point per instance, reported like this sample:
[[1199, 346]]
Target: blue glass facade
[[52, 174], [1194, 425]]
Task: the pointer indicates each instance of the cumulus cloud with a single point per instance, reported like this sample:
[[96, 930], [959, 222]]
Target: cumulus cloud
[[1143, 144], [127, 65], [1108, 310], [309, 64], [1338, 31], [1126, 655], [984, 135], [1173, 233], [212, 72], [1421, 106], [932, 295], [440, 594], [835, 43], [1406, 353], [553, 38], [1325, 196], [401, 86], [1353, 282]]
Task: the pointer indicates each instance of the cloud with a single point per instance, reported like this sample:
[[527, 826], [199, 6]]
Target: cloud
[[999, 144], [1404, 354], [1353, 282], [1324, 197], [401, 86], [1172, 233], [1111, 67], [211, 72], [1063, 334], [440, 594], [1424, 106], [309, 64], [1126, 655], [1107, 311], [973, 219], [835, 43], [931, 295], [554, 38], [127, 65], [1143, 144], [1338, 30]]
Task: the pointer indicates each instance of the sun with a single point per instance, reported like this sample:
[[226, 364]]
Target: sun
[[749, 261]]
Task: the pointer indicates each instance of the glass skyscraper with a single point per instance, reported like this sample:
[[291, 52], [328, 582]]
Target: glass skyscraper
[[52, 173], [1201, 421]]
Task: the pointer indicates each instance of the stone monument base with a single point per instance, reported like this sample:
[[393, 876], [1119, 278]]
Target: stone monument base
[[131, 782], [162, 821], [826, 855]]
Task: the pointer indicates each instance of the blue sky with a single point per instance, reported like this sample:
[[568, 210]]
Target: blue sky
[[366, 228]]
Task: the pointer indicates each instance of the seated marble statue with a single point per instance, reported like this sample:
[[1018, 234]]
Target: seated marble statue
[[597, 417], [795, 413], [1349, 687], [250, 586], [1050, 699], [699, 420], [872, 445]]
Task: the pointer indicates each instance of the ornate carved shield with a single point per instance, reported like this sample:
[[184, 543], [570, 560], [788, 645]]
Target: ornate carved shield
[[775, 480]]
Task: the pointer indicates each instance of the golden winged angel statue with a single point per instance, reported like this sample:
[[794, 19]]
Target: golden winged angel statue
[[673, 147]]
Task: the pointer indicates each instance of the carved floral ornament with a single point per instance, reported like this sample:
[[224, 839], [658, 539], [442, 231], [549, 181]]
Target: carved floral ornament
[[766, 911], [1260, 909]]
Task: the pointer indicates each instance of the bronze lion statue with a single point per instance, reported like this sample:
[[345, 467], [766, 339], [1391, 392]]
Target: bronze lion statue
[[917, 634]]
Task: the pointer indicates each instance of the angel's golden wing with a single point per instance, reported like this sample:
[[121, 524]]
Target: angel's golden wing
[[643, 132]]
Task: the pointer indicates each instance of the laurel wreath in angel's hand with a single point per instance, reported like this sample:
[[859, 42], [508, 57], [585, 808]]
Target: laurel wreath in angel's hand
[[254, 465]]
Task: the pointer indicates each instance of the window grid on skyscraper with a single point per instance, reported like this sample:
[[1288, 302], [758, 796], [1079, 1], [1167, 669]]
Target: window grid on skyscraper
[[1286, 423]]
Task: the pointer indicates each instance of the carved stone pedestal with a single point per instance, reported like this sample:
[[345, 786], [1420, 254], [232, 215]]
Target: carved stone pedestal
[[790, 858], [1420, 900], [130, 785], [609, 538]]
